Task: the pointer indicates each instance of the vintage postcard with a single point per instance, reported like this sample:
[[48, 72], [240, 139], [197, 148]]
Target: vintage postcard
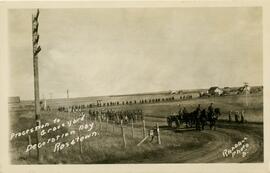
[[147, 87]]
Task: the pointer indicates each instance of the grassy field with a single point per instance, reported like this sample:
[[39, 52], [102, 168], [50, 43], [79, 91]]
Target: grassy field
[[107, 147], [253, 112]]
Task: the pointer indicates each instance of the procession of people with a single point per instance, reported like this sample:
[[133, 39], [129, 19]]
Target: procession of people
[[117, 115]]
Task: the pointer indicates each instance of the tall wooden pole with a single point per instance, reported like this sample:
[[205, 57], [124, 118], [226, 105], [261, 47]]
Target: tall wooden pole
[[36, 50], [67, 94]]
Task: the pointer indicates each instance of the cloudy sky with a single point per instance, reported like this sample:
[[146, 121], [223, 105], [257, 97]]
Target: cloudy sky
[[119, 51]]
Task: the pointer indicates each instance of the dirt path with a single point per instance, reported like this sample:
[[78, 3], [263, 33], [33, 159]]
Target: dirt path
[[225, 137]]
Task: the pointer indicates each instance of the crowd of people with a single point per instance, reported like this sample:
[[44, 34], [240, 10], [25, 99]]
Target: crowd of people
[[117, 115], [98, 114], [73, 108], [239, 117]]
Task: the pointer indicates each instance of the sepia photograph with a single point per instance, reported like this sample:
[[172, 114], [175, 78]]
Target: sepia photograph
[[126, 85]]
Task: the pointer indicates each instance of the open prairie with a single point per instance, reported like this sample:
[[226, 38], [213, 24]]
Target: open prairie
[[178, 145]]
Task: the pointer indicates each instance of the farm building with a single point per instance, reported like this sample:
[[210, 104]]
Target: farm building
[[215, 91], [244, 90], [14, 99], [173, 92], [256, 89], [226, 90]]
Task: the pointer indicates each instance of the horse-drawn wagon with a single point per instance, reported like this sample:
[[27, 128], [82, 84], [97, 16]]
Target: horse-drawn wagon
[[197, 118]]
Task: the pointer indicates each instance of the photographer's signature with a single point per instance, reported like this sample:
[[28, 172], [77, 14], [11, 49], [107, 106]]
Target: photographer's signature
[[239, 149]]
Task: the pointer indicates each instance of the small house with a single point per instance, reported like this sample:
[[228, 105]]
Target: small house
[[14, 99], [215, 91]]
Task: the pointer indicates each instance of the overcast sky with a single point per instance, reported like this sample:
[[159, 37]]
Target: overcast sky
[[119, 51]]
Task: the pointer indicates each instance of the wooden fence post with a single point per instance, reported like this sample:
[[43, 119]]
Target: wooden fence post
[[132, 129], [107, 121], [123, 134], [100, 126], [158, 134], [144, 129], [113, 126]]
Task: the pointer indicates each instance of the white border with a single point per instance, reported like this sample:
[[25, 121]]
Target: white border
[[229, 167]]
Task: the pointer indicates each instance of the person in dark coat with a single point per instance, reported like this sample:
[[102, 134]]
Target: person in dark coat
[[211, 109], [230, 116], [197, 117], [236, 117]]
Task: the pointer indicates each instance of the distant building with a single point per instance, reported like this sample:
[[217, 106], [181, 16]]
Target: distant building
[[173, 92], [244, 90], [256, 89], [14, 99], [204, 94], [227, 90], [215, 91]]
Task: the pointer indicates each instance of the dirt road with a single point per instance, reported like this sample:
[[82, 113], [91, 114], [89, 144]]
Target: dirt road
[[224, 137]]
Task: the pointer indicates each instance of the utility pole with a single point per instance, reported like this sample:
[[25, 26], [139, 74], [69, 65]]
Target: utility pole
[[68, 104], [36, 50], [67, 94]]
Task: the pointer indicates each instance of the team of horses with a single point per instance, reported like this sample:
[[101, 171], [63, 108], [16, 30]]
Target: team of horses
[[196, 118]]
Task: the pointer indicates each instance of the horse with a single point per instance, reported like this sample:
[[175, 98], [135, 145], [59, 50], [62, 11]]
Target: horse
[[213, 117], [171, 119], [203, 118], [189, 118]]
